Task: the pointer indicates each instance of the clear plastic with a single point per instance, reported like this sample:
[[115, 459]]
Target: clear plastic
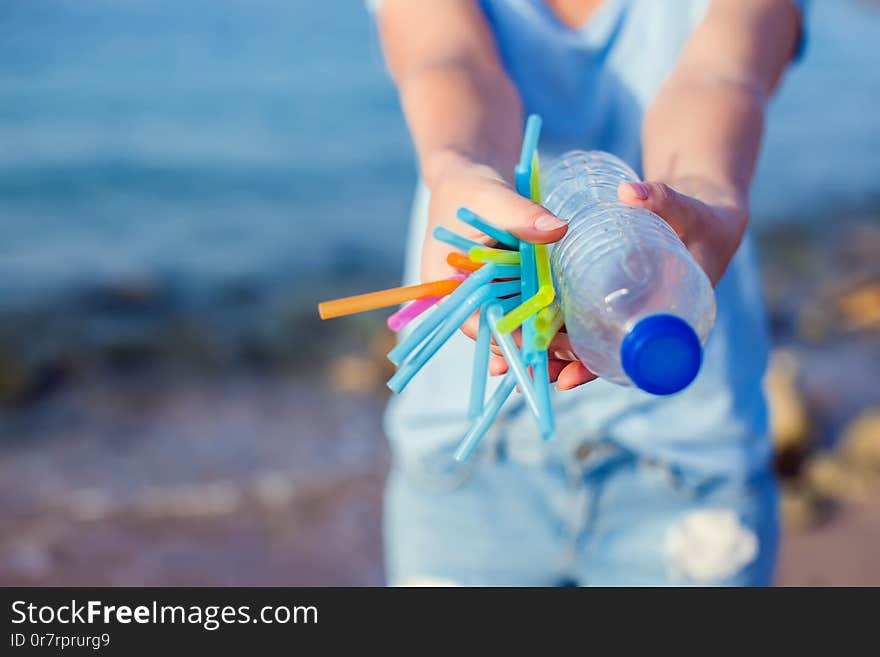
[[616, 264]]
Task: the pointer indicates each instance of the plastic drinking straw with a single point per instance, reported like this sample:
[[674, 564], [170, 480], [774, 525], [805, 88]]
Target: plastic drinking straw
[[547, 316], [535, 180], [523, 170], [451, 324], [543, 297], [488, 254], [409, 312], [548, 330], [459, 261], [523, 178], [514, 360], [546, 292], [383, 298], [544, 337], [425, 328], [540, 366], [497, 234], [454, 239], [481, 365], [415, 308], [481, 425], [480, 371], [506, 303]]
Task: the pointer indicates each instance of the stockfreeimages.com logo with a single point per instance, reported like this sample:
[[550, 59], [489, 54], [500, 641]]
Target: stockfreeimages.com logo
[[210, 617]]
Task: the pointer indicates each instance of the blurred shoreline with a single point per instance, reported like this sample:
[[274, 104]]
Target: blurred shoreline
[[149, 442], [182, 182], [142, 328]]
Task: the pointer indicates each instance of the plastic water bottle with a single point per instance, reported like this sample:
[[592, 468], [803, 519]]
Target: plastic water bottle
[[637, 307]]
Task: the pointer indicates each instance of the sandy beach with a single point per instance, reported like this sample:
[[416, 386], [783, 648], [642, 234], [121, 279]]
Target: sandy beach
[[157, 474]]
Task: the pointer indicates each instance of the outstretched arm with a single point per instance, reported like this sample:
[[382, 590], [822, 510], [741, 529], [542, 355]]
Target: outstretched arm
[[465, 118], [702, 133]]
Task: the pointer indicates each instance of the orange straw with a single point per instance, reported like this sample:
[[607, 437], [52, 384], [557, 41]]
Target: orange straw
[[383, 298], [462, 262]]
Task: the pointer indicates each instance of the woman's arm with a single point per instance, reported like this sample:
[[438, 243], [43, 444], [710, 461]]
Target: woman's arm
[[702, 133], [465, 118], [458, 101]]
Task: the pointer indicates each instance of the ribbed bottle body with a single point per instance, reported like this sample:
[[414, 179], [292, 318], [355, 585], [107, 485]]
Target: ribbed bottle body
[[617, 264]]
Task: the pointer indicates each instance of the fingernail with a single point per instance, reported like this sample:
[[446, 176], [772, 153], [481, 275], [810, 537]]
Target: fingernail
[[641, 190], [548, 222], [565, 354]]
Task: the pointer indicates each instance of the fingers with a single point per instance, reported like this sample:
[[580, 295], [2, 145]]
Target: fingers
[[471, 326], [712, 232], [573, 375], [528, 221], [497, 202], [497, 365], [566, 374]]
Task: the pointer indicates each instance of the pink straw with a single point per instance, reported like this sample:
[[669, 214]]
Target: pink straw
[[415, 308]]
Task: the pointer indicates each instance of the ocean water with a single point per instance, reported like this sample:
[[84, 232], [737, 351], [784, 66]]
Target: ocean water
[[204, 142]]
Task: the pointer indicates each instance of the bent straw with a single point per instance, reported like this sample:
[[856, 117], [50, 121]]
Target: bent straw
[[481, 365], [544, 335], [514, 360], [546, 292], [523, 170], [541, 369], [480, 371], [540, 365], [451, 324], [459, 261], [479, 428], [543, 297], [383, 298], [497, 234], [425, 328], [454, 239], [547, 316], [488, 254], [409, 312]]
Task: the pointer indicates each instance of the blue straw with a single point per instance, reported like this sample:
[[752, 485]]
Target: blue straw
[[481, 365], [523, 177], [454, 239], [497, 234], [523, 170], [542, 392], [479, 428], [441, 311], [514, 360], [451, 324], [507, 304], [481, 355]]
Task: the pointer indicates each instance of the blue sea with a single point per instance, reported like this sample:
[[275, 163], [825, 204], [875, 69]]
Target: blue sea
[[200, 143]]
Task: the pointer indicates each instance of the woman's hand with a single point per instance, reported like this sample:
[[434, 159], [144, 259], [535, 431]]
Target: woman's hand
[[459, 182], [483, 190], [711, 226], [710, 220]]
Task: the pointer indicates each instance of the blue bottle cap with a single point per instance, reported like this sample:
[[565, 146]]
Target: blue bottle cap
[[661, 354]]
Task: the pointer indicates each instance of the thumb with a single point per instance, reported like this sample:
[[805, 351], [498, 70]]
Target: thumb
[[661, 199], [528, 221]]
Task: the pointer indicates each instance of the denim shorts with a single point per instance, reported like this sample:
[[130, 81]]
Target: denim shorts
[[598, 516]]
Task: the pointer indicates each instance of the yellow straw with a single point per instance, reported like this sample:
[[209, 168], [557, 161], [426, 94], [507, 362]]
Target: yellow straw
[[551, 326], [546, 292], [488, 254]]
